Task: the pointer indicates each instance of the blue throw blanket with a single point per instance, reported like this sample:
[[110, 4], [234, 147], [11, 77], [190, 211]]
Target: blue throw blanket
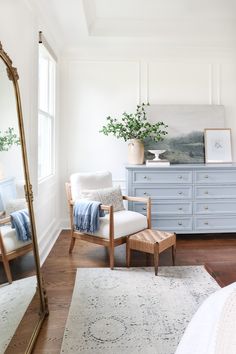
[[86, 215], [21, 223]]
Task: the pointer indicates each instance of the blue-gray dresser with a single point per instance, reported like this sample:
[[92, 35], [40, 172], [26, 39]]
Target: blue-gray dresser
[[186, 199]]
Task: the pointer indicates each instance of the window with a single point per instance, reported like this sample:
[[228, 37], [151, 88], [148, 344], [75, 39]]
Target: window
[[46, 113]]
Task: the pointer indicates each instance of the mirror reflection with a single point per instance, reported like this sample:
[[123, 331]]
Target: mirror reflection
[[17, 265]]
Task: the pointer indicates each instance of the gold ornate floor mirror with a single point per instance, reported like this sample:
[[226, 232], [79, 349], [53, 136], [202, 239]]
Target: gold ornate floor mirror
[[23, 301]]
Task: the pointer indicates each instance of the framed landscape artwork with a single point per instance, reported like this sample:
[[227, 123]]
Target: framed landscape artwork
[[186, 123], [218, 145]]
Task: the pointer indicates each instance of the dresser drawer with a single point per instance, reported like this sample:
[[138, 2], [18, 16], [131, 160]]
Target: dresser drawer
[[223, 223], [162, 177], [165, 208], [173, 224], [215, 176], [164, 192], [215, 191], [217, 206]]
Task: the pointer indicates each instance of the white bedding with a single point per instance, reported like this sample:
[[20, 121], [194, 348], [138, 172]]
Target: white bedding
[[202, 336]]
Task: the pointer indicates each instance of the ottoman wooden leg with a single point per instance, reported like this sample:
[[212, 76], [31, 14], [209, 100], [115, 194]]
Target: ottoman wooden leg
[[174, 254], [147, 259], [156, 257], [127, 253]]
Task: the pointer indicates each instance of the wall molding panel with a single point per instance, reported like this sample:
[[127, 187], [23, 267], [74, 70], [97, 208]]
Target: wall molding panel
[[180, 82], [210, 84], [218, 78]]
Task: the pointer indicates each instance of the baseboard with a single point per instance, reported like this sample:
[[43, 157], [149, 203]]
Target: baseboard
[[47, 241], [65, 224]]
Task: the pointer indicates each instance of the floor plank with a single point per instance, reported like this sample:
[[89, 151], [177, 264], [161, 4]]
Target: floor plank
[[223, 272], [60, 268]]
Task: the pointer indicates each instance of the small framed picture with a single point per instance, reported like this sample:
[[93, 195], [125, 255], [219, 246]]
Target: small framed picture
[[218, 145]]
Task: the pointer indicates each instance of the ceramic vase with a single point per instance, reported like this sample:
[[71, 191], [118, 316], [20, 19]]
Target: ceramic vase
[[135, 152]]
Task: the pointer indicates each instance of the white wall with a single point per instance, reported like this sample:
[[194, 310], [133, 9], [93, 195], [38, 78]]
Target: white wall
[[101, 78], [19, 26], [97, 83], [11, 160]]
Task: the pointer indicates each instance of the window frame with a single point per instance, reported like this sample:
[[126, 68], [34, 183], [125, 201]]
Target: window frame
[[50, 113]]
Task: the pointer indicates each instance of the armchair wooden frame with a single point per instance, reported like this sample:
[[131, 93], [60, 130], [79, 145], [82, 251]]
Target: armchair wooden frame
[[5, 256], [110, 242]]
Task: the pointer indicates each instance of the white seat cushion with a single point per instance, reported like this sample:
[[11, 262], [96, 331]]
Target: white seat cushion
[[125, 223], [10, 239], [81, 181]]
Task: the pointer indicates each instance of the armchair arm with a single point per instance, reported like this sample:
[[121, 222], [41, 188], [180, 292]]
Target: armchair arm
[[136, 199], [5, 220], [103, 206], [142, 200], [108, 208]]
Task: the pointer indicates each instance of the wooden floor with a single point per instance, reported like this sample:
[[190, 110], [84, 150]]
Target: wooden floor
[[60, 268]]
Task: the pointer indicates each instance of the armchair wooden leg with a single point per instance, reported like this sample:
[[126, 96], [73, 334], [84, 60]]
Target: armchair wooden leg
[[72, 243], [147, 259], [127, 253], [112, 257], [7, 269]]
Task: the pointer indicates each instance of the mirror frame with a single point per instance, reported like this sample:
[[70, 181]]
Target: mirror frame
[[43, 311]]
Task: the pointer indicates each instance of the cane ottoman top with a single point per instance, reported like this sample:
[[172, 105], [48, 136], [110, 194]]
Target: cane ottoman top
[[146, 239]]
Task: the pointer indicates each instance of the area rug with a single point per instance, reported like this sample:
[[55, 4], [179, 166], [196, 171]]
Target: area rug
[[14, 301], [132, 311]]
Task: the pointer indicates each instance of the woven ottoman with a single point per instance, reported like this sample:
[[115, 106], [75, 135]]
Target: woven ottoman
[[151, 241]]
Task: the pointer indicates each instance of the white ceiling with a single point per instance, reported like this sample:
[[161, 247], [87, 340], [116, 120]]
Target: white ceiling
[[165, 21]]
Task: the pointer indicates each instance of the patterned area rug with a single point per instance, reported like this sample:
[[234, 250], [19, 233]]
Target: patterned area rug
[[14, 300], [132, 311]]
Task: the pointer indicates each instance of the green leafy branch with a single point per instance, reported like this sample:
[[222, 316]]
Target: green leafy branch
[[8, 139], [134, 126]]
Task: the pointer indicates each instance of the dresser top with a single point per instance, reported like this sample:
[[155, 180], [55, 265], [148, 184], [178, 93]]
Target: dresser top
[[184, 166]]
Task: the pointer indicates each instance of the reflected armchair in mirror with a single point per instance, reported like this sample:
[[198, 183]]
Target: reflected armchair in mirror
[[11, 245]]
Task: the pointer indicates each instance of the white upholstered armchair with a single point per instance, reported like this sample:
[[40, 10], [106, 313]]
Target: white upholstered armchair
[[116, 225], [10, 246]]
